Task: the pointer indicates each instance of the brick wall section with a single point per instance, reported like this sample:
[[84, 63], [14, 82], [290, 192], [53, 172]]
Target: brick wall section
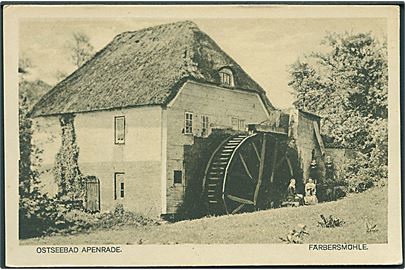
[[220, 105]]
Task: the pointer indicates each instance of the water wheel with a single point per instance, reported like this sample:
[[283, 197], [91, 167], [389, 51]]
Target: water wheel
[[243, 173]]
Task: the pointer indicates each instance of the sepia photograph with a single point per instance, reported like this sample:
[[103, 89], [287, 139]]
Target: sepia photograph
[[196, 131]]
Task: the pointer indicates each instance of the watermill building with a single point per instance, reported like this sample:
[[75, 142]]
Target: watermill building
[[142, 103]]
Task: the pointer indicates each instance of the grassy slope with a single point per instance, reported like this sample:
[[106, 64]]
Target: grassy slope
[[259, 227]]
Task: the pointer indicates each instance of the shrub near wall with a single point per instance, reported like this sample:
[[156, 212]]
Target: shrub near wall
[[67, 174], [40, 214], [33, 218]]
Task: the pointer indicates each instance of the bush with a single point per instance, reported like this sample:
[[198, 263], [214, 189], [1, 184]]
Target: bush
[[121, 217], [34, 217], [330, 222], [77, 221], [45, 216], [362, 173], [41, 215], [296, 235], [371, 227]]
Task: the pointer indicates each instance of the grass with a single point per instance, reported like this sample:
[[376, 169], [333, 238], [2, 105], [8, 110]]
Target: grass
[[260, 227]]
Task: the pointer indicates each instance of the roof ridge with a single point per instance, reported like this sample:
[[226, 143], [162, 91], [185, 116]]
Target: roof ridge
[[164, 25]]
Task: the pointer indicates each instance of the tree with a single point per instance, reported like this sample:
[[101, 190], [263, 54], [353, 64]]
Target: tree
[[40, 214], [31, 201], [347, 84], [27, 149], [24, 65], [29, 153], [80, 48]]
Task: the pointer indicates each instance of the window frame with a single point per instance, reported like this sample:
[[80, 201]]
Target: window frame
[[188, 123], [226, 77], [122, 190], [205, 125], [235, 123], [116, 141], [121, 184], [240, 127], [174, 177]]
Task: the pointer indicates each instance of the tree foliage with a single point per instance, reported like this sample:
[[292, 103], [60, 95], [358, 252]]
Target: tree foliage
[[80, 48], [28, 184], [31, 202], [347, 84], [66, 170], [39, 214], [24, 64]]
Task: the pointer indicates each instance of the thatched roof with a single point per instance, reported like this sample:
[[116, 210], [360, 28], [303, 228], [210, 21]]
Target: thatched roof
[[145, 67]]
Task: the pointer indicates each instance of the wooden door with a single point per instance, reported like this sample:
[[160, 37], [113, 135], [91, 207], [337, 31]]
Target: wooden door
[[92, 194]]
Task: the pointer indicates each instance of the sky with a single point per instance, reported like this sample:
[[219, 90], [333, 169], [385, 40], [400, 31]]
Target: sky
[[264, 48]]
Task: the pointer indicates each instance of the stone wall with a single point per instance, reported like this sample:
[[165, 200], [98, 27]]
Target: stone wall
[[302, 131]]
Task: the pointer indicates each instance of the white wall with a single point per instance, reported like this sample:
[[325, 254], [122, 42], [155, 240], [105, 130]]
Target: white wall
[[47, 137], [95, 135], [139, 158]]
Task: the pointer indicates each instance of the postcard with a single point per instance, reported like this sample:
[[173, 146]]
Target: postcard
[[202, 135]]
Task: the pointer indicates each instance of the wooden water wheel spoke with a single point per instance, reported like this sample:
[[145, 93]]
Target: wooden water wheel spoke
[[256, 151], [246, 167], [239, 200], [274, 163], [260, 177], [290, 167], [237, 209]]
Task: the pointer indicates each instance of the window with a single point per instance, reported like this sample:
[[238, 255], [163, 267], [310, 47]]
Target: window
[[204, 125], [178, 177], [235, 123], [226, 76], [188, 124], [242, 124], [119, 129], [119, 186]]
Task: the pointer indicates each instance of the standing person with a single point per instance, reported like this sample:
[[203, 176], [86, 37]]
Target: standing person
[[329, 183], [315, 174], [314, 171], [329, 169]]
